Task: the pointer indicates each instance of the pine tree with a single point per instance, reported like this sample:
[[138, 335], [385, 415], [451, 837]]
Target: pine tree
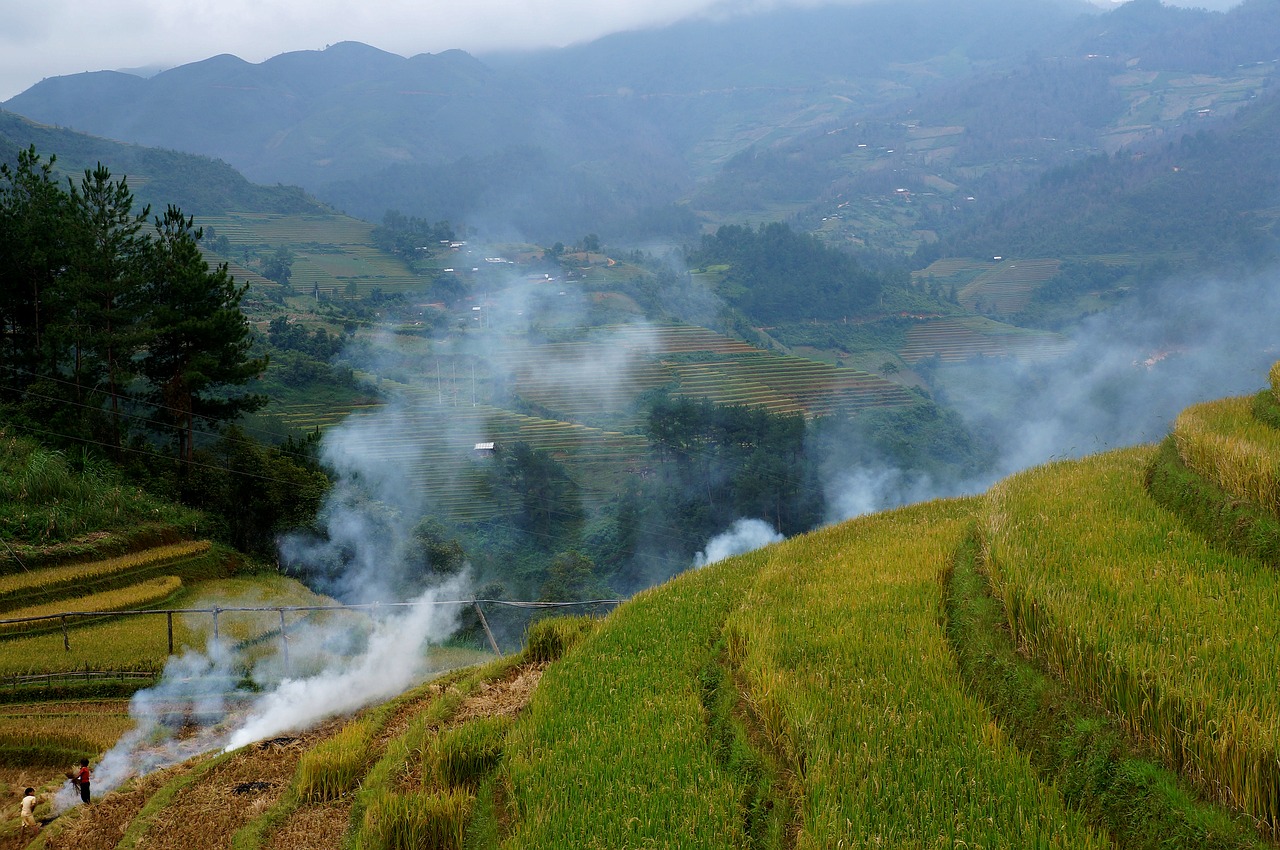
[[104, 286], [198, 340], [34, 252]]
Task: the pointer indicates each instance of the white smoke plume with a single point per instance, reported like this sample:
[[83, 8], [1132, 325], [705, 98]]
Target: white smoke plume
[[745, 535], [1130, 372], [196, 708], [392, 661]]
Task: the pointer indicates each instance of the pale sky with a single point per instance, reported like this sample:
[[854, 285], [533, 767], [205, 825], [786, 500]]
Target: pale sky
[[56, 37]]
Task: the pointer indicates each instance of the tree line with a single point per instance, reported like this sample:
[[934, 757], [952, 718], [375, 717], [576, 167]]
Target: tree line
[[119, 340], [110, 318]]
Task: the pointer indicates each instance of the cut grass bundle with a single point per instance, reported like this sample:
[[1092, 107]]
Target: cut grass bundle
[[335, 766], [420, 821], [548, 640], [462, 756]]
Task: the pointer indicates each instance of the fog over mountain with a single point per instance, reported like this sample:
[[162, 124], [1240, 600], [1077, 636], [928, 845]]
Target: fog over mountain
[[608, 135]]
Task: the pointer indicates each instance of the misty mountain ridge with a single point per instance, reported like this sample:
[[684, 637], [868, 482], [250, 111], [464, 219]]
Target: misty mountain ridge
[[759, 116], [661, 106], [157, 177]]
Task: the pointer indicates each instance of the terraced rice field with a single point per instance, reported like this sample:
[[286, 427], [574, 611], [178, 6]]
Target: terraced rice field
[[957, 270], [698, 363], [596, 379], [788, 384], [434, 445], [307, 416], [1007, 288], [1132, 609], [955, 340]]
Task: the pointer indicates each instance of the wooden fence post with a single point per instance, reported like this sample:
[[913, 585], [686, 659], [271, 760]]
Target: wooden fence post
[[284, 642], [169, 617], [485, 623], [66, 639]]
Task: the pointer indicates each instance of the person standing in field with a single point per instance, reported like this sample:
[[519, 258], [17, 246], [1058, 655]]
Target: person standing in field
[[81, 780], [28, 811]]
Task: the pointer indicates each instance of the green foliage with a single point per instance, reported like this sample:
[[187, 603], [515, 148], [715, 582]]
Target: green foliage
[[426, 821], [335, 766], [48, 497], [89, 303], [259, 492], [199, 340], [414, 240], [725, 462], [778, 275]]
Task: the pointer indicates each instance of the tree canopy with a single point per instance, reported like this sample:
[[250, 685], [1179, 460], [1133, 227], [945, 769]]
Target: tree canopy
[[101, 316]]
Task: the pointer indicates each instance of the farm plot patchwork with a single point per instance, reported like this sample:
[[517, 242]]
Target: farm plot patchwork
[[435, 445], [700, 364], [596, 379], [788, 384], [331, 252]]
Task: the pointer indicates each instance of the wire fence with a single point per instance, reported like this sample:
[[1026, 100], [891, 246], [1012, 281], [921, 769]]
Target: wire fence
[[66, 618]]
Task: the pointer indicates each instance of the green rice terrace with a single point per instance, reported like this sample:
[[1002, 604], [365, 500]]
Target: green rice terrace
[[953, 340], [1084, 656], [587, 413]]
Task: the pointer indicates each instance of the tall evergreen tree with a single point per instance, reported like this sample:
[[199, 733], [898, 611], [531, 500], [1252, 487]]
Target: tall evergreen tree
[[35, 250], [105, 285], [198, 340]]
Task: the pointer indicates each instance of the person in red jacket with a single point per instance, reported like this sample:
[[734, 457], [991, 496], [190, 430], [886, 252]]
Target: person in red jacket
[[81, 779]]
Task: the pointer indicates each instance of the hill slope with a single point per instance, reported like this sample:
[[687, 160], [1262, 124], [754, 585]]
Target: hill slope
[[857, 684], [158, 177]]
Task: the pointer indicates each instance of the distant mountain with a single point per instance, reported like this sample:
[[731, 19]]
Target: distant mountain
[[886, 125], [628, 123], [197, 184]]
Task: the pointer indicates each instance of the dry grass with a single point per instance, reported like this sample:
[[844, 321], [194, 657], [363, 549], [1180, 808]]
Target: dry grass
[[208, 812], [319, 827]]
